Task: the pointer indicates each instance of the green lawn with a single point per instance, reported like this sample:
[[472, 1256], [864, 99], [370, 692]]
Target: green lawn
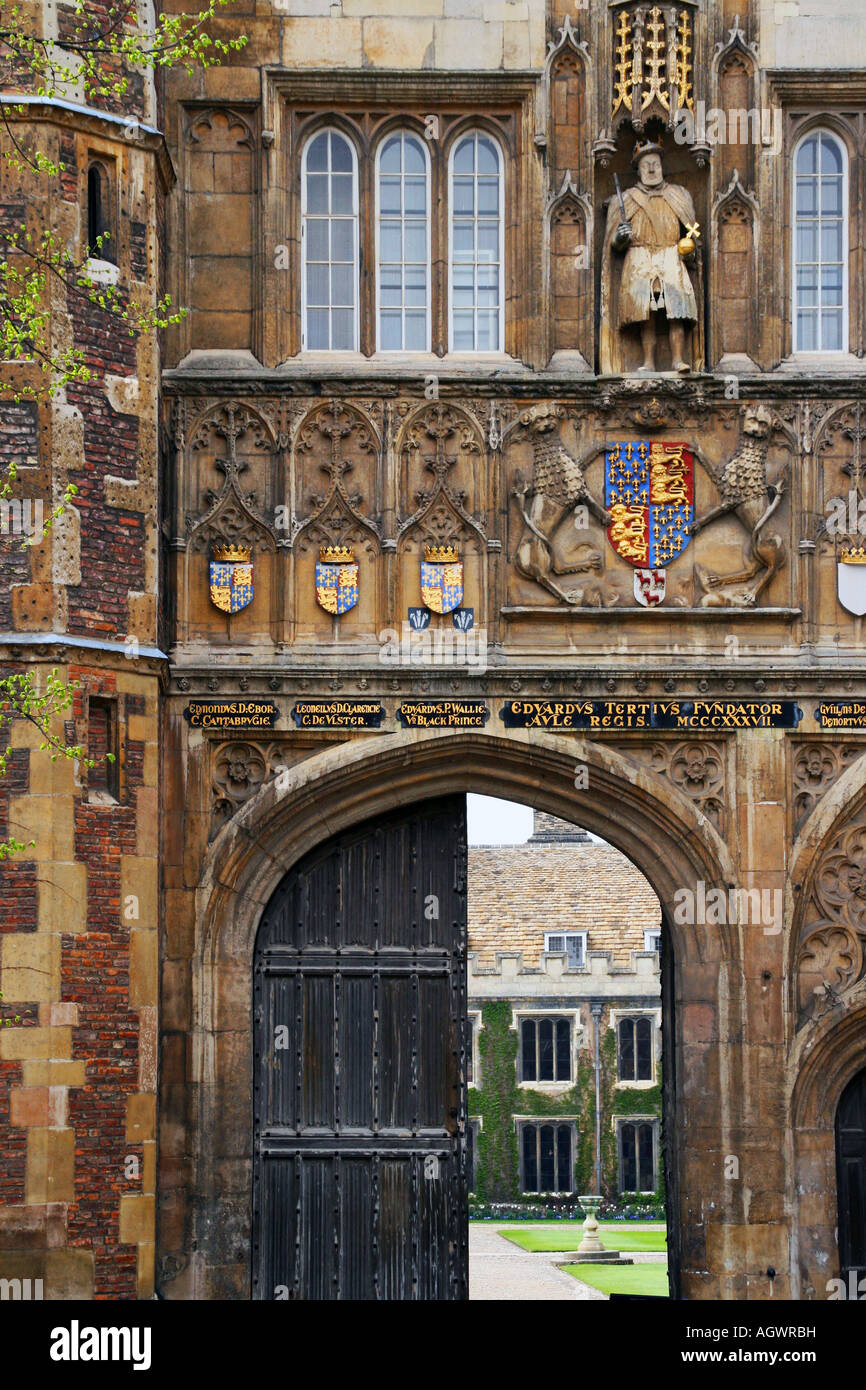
[[567, 1235], [643, 1278]]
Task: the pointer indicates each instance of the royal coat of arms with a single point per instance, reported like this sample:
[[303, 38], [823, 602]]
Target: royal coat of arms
[[649, 491], [337, 579], [441, 578], [851, 580], [231, 578]]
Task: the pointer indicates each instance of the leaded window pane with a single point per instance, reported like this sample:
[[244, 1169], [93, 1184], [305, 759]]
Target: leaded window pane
[[545, 1050], [820, 271], [530, 1162], [626, 1049], [564, 1180], [528, 1035], [329, 240], [546, 1159], [643, 1039], [403, 247], [476, 245]]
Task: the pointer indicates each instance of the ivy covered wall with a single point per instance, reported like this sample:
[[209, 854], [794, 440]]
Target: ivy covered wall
[[499, 1098]]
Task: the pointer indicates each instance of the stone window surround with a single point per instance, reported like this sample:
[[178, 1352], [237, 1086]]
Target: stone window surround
[[536, 1121], [617, 1122], [811, 101], [552, 1088], [501, 104], [656, 1015], [118, 738], [848, 218]]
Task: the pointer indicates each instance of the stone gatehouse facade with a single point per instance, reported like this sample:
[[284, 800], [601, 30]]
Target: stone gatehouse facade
[[412, 341]]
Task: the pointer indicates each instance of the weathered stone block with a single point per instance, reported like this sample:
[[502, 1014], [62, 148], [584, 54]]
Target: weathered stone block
[[50, 1173], [140, 1118], [31, 967], [137, 1215], [69, 1274]]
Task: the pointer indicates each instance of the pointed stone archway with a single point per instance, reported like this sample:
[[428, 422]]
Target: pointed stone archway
[[641, 813]]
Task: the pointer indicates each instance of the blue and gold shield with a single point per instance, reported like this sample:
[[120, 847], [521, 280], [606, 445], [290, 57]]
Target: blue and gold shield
[[441, 579], [336, 581], [649, 491], [231, 583]]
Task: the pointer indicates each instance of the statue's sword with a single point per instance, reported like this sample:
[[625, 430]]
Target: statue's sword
[[620, 197]]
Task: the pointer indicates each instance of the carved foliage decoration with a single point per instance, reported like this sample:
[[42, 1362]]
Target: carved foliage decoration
[[830, 960], [816, 767], [695, 766], [841, 446], [239, 769]]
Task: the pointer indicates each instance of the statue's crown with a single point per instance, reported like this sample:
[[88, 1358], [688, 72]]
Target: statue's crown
[[225, 554], [645, 147], [441, 554], [855, 555], [337, 555]]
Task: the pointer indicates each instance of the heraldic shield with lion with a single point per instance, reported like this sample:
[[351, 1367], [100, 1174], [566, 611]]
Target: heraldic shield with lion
[[231, 578], [337, 579], [649, 492], [441, 578]]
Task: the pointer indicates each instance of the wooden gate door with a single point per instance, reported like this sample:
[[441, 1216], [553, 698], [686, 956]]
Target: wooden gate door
[[851, 1176], [359, 1186]]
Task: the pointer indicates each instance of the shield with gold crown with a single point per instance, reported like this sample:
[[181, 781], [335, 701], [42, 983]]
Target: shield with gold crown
[[851, 580], [231, 578], [336, 579], [441, 578]]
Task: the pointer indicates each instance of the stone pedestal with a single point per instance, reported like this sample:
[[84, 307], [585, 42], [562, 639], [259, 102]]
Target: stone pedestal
[[591, 1250]]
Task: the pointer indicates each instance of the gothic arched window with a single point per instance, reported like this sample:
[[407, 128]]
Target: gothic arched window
[[402, 245], [329, 244], [476, 250], [820, 244]]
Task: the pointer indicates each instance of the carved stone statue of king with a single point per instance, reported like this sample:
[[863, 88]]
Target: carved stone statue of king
[[655, 227]]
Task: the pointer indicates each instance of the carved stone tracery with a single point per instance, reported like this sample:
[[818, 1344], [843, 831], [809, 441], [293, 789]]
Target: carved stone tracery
[[335, 516], [815, 767], [831, 956], [231, 513], [695, 766]]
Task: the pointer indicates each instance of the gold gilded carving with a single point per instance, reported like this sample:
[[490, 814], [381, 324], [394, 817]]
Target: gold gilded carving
[[652, 63], [628, 532], [668, 473], [622, 68]]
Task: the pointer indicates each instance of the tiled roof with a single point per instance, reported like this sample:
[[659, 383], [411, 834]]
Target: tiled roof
[[518, 892]]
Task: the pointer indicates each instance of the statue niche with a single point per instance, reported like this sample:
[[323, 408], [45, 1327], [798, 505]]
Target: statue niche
[[650, 284]]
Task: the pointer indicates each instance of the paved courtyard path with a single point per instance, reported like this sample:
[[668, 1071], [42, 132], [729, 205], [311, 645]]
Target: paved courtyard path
[[500, 1271]]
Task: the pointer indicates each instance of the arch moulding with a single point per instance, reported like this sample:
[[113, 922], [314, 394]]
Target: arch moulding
[[659, 829]]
